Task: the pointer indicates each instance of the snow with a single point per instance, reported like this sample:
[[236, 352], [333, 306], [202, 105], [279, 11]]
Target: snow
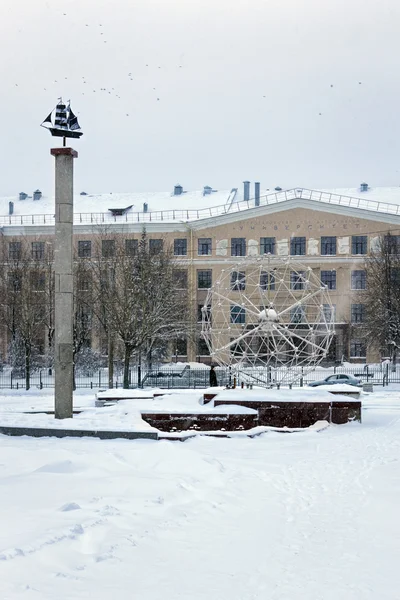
[[303, 516], [340, 387], [283, 395], [192, 205]]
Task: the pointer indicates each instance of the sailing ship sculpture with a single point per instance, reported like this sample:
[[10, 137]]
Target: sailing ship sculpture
[[62, 122]]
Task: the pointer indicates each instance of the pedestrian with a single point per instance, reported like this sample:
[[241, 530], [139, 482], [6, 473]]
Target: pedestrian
[[213, 377]]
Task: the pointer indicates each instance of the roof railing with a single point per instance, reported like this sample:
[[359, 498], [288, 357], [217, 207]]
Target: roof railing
[[214, 211]]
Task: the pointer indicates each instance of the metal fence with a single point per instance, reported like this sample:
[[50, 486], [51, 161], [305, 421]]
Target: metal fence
[[188, 377]]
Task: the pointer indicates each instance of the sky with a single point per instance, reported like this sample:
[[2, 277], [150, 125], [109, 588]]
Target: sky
[[202, 92]]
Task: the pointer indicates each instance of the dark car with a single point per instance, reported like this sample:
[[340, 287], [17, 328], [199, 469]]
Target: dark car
[[339, 378]]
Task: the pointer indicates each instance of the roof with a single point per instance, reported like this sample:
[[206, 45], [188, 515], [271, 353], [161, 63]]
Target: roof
[[188, 206]]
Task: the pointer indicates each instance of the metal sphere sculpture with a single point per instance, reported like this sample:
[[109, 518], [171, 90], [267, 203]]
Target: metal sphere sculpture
[[269, 315]]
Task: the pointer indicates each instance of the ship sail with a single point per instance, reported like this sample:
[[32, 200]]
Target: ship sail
[[62, 122]]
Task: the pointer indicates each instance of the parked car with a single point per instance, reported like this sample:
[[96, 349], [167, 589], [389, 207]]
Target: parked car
[[339, 378]]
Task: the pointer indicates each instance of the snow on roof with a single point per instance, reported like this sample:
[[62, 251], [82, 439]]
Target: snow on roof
[[188, 206]]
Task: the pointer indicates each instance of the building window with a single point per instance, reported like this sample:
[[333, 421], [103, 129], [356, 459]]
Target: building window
[[108, 248], [155, 246], [238, 247], [392, 244], [297, 281], [357, 313], [180, 278], [298, 246], [14, 281], [37, 250], [202, 348], [180, 247], [359, 244], [14, 250], [38, 281], [238, 281], [131, 247], [357, 349], [202, 309], [359, 280], [267, 281], [238, 314], [328, 278], [328, 245], [84, 282], [329, 312], [180, 347], [267, 245], [297, 314], [85, 249], [204, 279], [204, 247]]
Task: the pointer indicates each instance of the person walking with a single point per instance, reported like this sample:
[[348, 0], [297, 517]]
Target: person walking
[[213, 377]]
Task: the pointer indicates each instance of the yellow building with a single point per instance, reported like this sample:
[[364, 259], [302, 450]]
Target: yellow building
[[330, 231]]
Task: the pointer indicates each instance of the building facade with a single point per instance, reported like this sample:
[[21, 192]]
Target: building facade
[[330, 232]]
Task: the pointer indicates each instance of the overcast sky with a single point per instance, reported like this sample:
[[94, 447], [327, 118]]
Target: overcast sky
[[287, 92]]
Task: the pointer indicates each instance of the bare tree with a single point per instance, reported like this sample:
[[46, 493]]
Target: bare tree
[[25, 305], [381, 326], [137, 294]]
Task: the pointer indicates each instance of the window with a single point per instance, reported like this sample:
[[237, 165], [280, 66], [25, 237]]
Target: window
[[155, 246], [14, 250], [238, 281], [131, 247], [204, 247], [38, 343], [358, 280], [357, 349], [328, 245], [84, 317], [297, 314], [392, 244], [238, 314], [107, 279], [180, 278], [359, 244], [180, 347], [395, 276], [204, 279], [107, 248], [267, 281], [180, 247], [357, 313], [238, 247], [297, 280], [202, 348], [267, 245], [329, 313], [38, 281], [84, 282], [298, 246], [202, 309], [237, 348], [85, 249], [328, 278], [37, 250], [14, 281]]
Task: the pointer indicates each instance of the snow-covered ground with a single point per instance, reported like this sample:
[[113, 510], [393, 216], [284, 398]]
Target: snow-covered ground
[[302, 516]]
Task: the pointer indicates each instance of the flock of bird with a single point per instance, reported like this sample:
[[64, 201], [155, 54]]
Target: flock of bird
[[112, 91]]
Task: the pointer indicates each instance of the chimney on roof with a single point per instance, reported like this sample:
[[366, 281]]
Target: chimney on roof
[[10, 208], [363, 187], [256, 193], [23, 196], [145, 207], [246, 190], [178, 189], [37, 194]]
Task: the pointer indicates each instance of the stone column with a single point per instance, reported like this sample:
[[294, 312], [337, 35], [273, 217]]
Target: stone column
[[63, 268]]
